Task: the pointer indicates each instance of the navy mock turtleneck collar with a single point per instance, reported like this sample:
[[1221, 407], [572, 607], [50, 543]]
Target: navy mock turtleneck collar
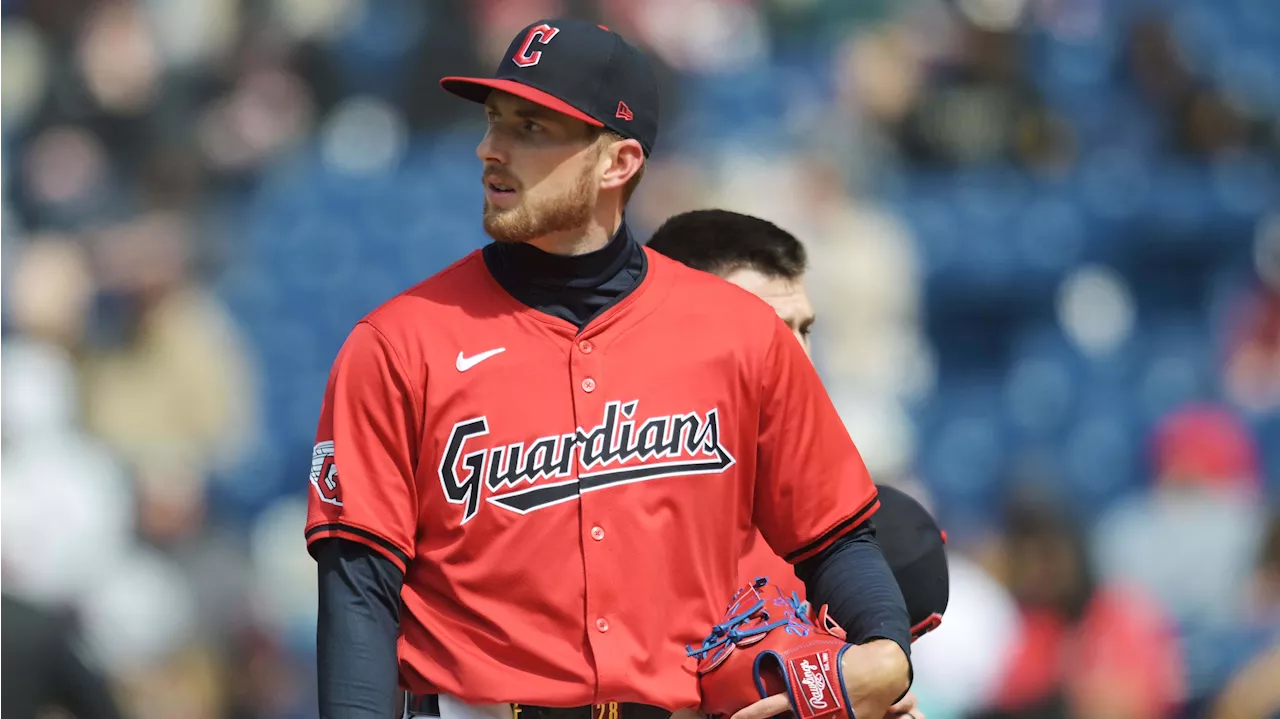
[[574, 288]]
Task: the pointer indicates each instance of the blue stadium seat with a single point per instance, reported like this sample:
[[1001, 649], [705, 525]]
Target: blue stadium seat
[[965, 443], [1114, 186], [733, 105], [1045, 340], [1251, 71], [987, 264], [1101, 455], [935, 225], [964, 460], [1266, 430], [1253, 21], [1203, 31], [1246, 186], [1176, 370], [1181, 204], [1040, 395], [1049, 238], [375, 54]]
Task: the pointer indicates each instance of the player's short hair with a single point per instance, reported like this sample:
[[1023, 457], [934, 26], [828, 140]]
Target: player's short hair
[[629, 189], [720, 242]]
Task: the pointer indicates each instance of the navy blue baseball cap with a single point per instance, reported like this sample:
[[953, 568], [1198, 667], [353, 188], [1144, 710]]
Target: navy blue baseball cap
[[915, 549], [580, 69]]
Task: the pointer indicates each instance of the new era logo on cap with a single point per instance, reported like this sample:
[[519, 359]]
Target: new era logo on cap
[[578, 68]]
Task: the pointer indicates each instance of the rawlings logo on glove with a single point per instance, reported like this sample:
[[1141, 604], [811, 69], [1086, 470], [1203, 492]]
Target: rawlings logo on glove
[[746, 658]]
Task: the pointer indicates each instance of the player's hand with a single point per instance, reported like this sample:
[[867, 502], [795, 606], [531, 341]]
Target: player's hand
[[767, 707], [875, 674]]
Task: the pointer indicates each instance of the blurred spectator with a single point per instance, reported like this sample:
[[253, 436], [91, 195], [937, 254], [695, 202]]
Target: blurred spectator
[[68, 531], [65, 176], [1202, 519], [266, 112], [879, 74], [1253, 342], [959, 666], [978, 106], [118, 57], [142, 619], [1200, 119], [47, 667], [68, 509], [267, 680], [1264, 600], [694, 36], [25, 69], [1090, 648], [51, 291], [167, 382], [1253, 692]]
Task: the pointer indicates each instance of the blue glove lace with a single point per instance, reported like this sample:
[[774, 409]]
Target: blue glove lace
[[730, 632]]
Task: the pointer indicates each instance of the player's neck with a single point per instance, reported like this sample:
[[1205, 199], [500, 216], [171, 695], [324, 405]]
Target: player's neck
[[572, 244], [581, 240]]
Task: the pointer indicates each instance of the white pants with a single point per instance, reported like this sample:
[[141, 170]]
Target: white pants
[[454, 708]]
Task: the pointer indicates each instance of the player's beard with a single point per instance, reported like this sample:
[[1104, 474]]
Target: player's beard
[[528, 221]]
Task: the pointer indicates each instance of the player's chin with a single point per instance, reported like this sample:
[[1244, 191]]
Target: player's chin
[[505, 226], [508, 205]]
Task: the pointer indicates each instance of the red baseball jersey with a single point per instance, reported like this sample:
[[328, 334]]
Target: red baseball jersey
[[570, 507]]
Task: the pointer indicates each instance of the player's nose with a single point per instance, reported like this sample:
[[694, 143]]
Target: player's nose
[[490, 150]]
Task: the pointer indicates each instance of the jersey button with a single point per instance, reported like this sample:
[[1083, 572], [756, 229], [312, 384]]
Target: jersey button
[[602, 625], [588, 385], [597, 533], [586, 347]]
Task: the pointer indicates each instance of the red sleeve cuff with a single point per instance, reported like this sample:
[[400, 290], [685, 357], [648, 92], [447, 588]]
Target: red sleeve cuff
[[839, 530], [379, 544]]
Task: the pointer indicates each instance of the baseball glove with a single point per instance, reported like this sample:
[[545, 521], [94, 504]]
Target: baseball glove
[[768, 644]]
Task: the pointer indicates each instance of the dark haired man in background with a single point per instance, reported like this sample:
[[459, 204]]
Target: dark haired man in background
[[752, 253]]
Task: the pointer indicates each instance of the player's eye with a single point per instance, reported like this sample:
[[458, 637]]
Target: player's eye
[[531, 126]]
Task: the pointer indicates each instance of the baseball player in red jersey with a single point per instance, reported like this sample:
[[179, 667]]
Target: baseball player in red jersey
[[771, 263], [535, 471]]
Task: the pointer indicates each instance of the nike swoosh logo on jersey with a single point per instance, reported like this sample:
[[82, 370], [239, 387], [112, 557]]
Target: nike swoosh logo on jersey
[[465, 363]]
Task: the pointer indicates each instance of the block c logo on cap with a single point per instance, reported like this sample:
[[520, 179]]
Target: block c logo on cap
[[538, 33]]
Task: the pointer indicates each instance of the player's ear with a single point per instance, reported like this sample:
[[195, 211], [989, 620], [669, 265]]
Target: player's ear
[[625, 157]]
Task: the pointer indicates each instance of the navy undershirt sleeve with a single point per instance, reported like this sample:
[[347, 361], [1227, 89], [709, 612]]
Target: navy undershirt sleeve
[[853, 579], [358, 624]]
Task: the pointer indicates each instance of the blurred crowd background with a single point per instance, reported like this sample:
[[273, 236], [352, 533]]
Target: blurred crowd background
[[1045, 238]]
